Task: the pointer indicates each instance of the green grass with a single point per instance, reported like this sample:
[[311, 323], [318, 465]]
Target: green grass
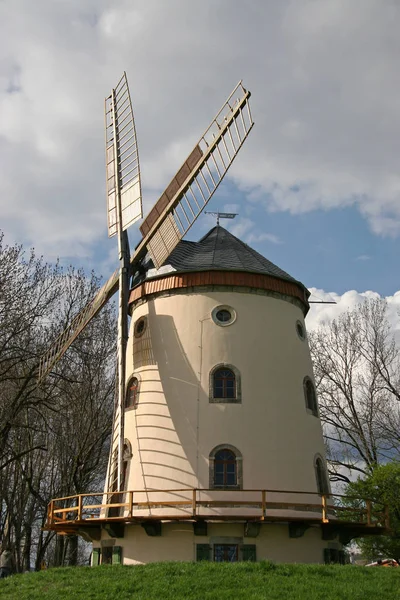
[[205, 581]]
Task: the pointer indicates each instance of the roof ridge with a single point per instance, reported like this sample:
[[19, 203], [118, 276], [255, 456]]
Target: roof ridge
[[206, 235], [219, 249], [216, 241], [259, 256], [233, 249]]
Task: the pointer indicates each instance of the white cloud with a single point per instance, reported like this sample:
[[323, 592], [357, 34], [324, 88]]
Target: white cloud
[[261, 237], [324, 84], [324, 313], [363, 257], [248, 231]]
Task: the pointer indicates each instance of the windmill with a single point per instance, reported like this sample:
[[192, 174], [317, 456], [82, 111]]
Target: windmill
[[217, 450], [166, 224]]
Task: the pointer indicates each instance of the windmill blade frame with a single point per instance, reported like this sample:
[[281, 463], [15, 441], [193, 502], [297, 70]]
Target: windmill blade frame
[[177, 208], [77, 325], [198, 178], [123, 181]]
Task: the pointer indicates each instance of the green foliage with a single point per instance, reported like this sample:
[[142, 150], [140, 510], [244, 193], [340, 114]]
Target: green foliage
[[381, 486], [205, 581]]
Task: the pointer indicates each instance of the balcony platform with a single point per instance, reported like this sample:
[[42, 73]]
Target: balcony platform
[[88, 514]]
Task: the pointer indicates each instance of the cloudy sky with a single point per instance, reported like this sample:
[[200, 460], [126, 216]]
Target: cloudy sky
[[317, 184]]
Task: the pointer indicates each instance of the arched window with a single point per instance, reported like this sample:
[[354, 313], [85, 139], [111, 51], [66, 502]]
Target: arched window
[[321, 477], [132, 393], [126, 457], [226, 470], [225, 384], [310, 396]]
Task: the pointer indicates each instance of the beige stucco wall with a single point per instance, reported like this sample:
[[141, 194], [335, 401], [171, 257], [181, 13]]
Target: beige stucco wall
[[179, 543], [175, 427]]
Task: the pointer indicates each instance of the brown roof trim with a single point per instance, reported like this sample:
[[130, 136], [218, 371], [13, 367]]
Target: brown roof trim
[[228, 278]]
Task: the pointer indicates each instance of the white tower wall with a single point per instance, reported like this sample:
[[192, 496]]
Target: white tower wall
[[174, 427]]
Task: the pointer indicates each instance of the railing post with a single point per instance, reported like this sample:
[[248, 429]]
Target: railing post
[[194, 495], [369, 505], [130, 509], [263, 504], [51, 512], [79, 507], [324, 511]]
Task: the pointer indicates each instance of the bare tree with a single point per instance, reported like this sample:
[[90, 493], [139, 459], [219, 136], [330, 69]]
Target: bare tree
[[54, 438], [356, 366], [28, 292]]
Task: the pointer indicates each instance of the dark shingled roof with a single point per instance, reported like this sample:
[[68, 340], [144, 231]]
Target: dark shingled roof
[[218, 250]]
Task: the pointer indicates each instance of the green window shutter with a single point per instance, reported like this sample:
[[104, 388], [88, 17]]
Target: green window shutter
[[202, 552], [95, 557], [116, 555], [249, 552]]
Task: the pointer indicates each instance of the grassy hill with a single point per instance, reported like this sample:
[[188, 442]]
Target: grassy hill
[[206, 581]]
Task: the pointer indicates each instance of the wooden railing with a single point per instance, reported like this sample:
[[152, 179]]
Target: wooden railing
[[181, 504]]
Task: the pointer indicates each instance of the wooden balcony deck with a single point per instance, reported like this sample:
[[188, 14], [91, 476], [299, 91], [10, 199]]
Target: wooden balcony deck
[[70, 514]]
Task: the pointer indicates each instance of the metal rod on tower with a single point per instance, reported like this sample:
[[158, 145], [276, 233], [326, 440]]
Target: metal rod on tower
[[221, 215]]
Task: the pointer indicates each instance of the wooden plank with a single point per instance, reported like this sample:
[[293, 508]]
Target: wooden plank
[[227, 503]]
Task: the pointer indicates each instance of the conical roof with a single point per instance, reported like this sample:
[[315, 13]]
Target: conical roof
[[218, 250]]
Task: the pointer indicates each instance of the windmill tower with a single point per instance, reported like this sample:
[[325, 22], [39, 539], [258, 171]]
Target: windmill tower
[[216, 448]]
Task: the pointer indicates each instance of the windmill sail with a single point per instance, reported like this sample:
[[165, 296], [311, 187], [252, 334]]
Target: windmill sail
[[122, 159], [178, 207], [198, 178], [78, 323]]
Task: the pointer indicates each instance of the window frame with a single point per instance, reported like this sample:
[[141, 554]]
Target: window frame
[[237, 399], [222, 379], [225, 471], [321, 476], [137, 331], [238, 464], [225, 548], [302, 336], [216, 310], [134, 404], [312, 407]]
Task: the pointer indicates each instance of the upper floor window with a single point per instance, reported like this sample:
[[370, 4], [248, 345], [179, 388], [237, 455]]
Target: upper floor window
[[140, 327], [321, 477], [310, 396], [300, 330], [223, 315], [132, 393], [225, 384], [226, 469], [225, 473]]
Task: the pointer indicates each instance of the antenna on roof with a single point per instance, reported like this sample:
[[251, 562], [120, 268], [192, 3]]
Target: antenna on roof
[[221, 215]]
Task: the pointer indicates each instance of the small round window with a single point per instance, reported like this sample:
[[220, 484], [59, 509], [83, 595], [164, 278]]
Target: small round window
[[223, 315], [300, 330], [140, 327]]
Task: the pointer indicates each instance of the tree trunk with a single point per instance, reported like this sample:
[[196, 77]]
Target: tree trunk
[[72, 550], [26, 556], [59, 551]]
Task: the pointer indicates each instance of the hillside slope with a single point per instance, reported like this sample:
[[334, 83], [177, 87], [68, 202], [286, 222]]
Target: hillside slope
[[206, 581]]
